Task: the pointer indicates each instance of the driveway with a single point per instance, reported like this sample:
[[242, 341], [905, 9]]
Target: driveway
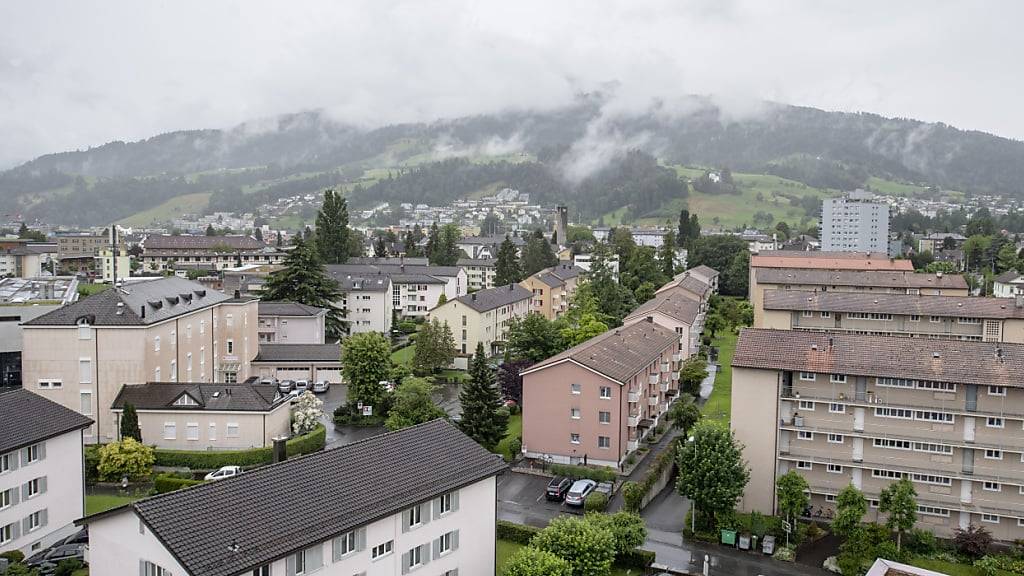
[[521, 500]]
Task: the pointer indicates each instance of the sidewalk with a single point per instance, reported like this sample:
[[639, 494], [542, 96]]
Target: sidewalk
[[618, 500]]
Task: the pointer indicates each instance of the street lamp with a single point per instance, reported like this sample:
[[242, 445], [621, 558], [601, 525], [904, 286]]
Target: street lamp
[[693, 507]]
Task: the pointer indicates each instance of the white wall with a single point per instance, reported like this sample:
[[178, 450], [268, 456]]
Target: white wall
[[119, 542], [63, 499]]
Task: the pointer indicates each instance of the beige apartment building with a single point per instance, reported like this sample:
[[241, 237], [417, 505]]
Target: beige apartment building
[[483, 316], [594, 402], [197, 416], [291, 323], [169, 329], [866, 410], [690, 285], [913, 315], [479, 272], [553, 289], [678, 312]]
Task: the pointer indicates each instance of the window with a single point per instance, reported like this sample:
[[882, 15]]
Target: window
[[170, 431], [826, 314], [606, 392], [174, 371], [902, 413], [835, 408], [935, 319], [932, 479], [230, 346], [33, 487], [915, 318], [156, 344], [835, 439], [6, 534], [35, 520], [932, 448], [933, 511], [807, 376], [415, 516], [994, 454], [990, 518], [50, 384], [5, 498], [299, 559], [997, 390], [895, 382], [444, 504], [229, 320], [262, 571], [963, 320], [213, 431], [185, 400], [192, 431], [446, 543], [888, 474], [344, 545], [994, 422], [830, 497], [232, 430], [807, 405], [575, 388], [574, 438], [835, 468], [5, 462], [85, 370], [147, 568], [933, 416], [414, 557], [802, 435], [940, 386], [382, 550], [202, 327], [32, 454], [604, 417], [604, 442], [574, 413], [802, 465], [84, 332], [837, 378], [806, 314], [85, 401], [993, 487]]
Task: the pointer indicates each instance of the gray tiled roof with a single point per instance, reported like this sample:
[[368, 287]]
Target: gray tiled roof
[[491, 240], [170, 242], [225, 397], [619, 353], [270, 513], [485, 262], [705, 270], [288, 309], [923, 305], [558, 275], [874, 278], [981, 363], [1008, 276], [299, 353], [672, 304], [163, 298], [492, 298], [27, 418], [362, 282], [370, 260]]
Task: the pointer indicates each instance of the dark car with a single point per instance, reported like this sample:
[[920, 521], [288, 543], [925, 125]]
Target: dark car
[[557, 488]]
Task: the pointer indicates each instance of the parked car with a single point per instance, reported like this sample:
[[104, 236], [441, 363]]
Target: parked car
[[321, 386], [605, 488], [285, 386], [579, 491], [557, 488], [47, 563], [294, 395], [224, 472], [302, 385]]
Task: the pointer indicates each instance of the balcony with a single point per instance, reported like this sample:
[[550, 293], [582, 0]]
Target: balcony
[[665, 367], [633, 421], [632, 445], [634, 397], [677, 357], [663, 387], [675, 376], [664, 407], [653, 379], [652, 401], [229, 358]]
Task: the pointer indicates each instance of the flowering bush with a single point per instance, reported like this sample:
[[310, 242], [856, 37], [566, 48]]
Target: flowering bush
[[129, 457], [307, 413]]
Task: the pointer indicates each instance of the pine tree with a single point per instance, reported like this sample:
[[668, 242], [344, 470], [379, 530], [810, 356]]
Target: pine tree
[[130, 423], [667, 254], [332, 233], [380, 250], [280, 239], [506, 269], [433, 242], [258, 234], [537, 255], [304, 280], [210, 230], [446, 251], [484, 418]]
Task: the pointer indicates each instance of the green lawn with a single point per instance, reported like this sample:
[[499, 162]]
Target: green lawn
[[169, 210], [100, 502], [515, 429], [403, 355], [953, 569], [719, 405], [90, 289], [506, 549]]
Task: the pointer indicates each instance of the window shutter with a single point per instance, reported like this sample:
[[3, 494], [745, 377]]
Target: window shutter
[[289, 565], [42, 450], [24, 456], [12, 460], [455, 540], [336, 549], [425, 554], [314, 557], [15, 496], [361, 539], [24, 491], [425, 514], [436, 544], [42, 485], [455, 500], [15, 531], [405, 520], [142, 567], [405, 563], [437, 508], [24, 525], [44, 516]]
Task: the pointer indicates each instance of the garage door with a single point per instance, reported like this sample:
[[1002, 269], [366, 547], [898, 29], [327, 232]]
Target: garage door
[[293, 373], [332, 375]]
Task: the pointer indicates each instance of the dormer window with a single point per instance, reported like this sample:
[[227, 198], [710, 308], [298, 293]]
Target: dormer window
[[185, 400]]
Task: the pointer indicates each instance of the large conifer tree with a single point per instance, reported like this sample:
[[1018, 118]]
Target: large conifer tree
[[484, 417], [304, 280], [332, 233], [507, 269]]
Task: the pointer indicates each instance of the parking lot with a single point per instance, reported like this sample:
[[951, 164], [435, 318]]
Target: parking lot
[[521, 500]]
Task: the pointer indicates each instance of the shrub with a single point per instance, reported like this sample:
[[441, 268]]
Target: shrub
[[786, 553], [974, 541], [588, 547], [518, 533], [633, 494], [596, 502], [635, 558], [68, 566], [125, 458], [921, 542], [530, 561], [515, 447], [889, 551], [627, 529], [14, 556], [167, 483], [91, 454], [595, 474]]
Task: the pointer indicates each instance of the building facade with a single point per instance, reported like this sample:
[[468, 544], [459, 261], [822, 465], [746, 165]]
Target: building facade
[[167, 252], [310, 362], [845, 409], [479, 272], [483, 317], [595, 402], [169, 329], [367, 299], [854, 223], [291, 323], [553, 289], [679, 313], [416, 501], [41, 471]]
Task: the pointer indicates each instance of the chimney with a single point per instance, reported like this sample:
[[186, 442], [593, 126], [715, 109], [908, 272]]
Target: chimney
[[1018, 299], [510, 287], [650, 319], [280, 452], [831, 342], [473, 295], [142, 311], [238, 293]]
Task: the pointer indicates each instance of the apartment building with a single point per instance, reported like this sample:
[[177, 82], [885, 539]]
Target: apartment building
[[76, 251], [867, 410], [198, 416], [291, 323], [30, 260], [914, 315], [851, 281], [415, 288], [487, 246], [23, 299], [479, 272], [484, 316], [594, 402], [678, 312], [246, 280], [553, 289], [41, 471], [168, 252], [707, 275], [168, 329], [367, 300], [856, 222], [693, 287], [417, 501], [1008, 284]]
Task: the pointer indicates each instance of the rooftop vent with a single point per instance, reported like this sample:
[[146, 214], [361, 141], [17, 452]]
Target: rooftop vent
[[216, 394], [172, 300], [814, 347], [156, 304], [936, 355], [200, 293], [120, 308]]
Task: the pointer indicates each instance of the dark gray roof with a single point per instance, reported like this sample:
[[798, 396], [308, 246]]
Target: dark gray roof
[[227, 397], [269, 513], [618, 353], [486, 262], [27, 418], [1008, 276], [558, 275], [169, 242], [417, 279], [288, 309], [491, 240], [492, 298], [162, 298], [672, 304], [873, 278], [362, 282], [299, 353], [370, 260], [347, 274], [704, 270], [983, 363], [920, 305]]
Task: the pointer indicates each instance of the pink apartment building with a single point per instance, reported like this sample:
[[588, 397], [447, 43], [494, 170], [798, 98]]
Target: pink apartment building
[[594, 402]]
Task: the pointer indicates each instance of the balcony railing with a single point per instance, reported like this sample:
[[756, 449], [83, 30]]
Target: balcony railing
[[632, 445], [652, 401], [675, 376], [653, 379], [633, 421], [677, 357], [663, 387], [665, 367], [634, 397]]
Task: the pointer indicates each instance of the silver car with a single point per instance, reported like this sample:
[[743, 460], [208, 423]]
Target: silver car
[[321, 386], [579, 491]]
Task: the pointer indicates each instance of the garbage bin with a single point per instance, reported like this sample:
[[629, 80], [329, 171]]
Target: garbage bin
[[729, 537], [753, 542]]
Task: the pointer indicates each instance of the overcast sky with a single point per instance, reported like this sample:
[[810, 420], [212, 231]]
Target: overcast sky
[[76, 73]]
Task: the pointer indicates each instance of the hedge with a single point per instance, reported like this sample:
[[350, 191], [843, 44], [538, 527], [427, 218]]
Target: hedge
[[635, 558], [518, 533], [595, 474], [211, 460], [167, 483], [596, 502]]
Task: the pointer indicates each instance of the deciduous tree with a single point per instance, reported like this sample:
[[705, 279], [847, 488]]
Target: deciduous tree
[[413, 404], [899, 501], [791, 491], [366, 362], [627, 528], [850, 509], [586, 546], [530, 561], [533, 338], [684, 413], [712, 473], [127, 458], [435, 348], [307, 413]]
